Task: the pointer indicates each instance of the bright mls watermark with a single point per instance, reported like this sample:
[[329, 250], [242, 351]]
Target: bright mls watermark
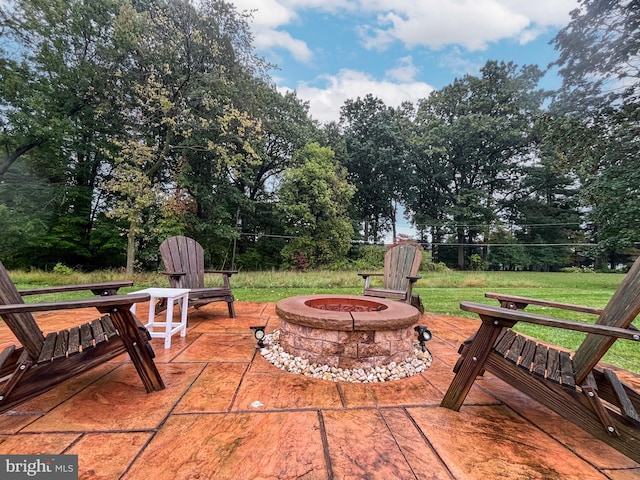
[[49, 467]]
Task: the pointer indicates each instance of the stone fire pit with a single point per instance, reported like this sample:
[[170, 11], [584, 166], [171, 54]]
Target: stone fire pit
[[346, 331]]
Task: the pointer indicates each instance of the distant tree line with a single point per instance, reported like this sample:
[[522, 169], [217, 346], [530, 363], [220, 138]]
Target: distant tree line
[[127, 121]]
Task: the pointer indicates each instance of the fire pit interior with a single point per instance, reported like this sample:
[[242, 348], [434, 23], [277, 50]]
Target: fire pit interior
[[347, 331]]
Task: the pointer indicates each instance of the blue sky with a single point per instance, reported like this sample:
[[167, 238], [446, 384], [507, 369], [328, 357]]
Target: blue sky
[[333, 50]]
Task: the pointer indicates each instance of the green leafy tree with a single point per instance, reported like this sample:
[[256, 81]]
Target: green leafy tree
[[597, 111], [376, 149], [55, 115], [471, 138], [24, 214], [178, 97], [84, 78], [313, 199], [285, 128], [509, 254], [544, 209]]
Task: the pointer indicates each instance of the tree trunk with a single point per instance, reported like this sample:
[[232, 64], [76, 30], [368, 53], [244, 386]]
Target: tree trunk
[[394, 212], [461, 249], [131, 246]]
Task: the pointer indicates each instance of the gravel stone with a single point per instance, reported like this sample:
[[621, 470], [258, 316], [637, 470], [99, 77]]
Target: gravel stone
[[275, 354]]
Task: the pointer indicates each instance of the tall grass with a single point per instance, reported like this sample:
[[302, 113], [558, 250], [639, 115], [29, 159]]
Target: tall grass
[[441, 292]]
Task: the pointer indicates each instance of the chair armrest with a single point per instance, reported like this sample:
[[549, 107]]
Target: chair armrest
[[228, 273], [365, 275], [173, 274], [367, 278], [111, 301], [103, 288], [413, 279], [507, 317], [519, 303]]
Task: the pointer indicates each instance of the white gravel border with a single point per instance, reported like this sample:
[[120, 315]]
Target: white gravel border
[[276, 355]]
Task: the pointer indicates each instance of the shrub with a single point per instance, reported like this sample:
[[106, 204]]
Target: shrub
[[476, 263], [62, 269], [582, 269]]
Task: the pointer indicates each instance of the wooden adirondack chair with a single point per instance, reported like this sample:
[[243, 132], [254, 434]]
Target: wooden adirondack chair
[[183, 260], [40, 362], [401, 265], [574, 386]]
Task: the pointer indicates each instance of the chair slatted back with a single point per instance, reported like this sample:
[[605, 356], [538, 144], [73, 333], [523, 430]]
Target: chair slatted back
[[23, 325], [401, 261], [622, 309], [184, 254]]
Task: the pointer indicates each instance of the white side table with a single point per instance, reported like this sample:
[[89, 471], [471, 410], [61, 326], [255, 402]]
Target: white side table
[[169, 326]]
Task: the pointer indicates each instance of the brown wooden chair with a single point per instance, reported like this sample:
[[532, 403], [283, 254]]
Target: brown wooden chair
[[183, 260], [573, 385], [42, 361], [401, 265]]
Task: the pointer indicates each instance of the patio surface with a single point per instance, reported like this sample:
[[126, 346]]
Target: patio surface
[[229, 414]]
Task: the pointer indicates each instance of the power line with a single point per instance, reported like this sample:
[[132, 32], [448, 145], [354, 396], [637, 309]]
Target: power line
[[428, 244], [494, 225], [515, 244]]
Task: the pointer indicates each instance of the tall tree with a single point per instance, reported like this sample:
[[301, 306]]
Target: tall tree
[[285, 128], [597, 128], [376, 149], [313, 199], [472, 136], [55, 115], [544, 210], [84, 79], [177, 93]]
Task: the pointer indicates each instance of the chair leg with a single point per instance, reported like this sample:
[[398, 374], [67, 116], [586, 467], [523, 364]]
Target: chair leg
[[138, 347], [232, 310], [471, 366]]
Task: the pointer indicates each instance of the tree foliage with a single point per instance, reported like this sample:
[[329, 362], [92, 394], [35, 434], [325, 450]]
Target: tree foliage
[[124, 122], [313, 200], [472, 137], [376, 147], [597, 116]]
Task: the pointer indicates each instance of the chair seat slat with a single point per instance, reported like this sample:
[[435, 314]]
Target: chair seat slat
[[47, 348], [566, 369], [107, 327], [502, 347], [62, 342], [515, 349], [98, 331], [86, 336], [539, 365], [528, 352], [74, 341]]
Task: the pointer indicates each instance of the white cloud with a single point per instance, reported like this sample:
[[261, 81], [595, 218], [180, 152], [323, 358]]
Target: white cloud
[[436, 23], [471, 24], [459, 25], [458, 63], [405, 71], [325, 101], [266, 13], [266, 18], [270, 39], [543, 12]]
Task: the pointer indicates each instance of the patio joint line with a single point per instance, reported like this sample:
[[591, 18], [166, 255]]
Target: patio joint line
[[427, 442], [395, 440], [325, 445], [343, 399], [237, 390]]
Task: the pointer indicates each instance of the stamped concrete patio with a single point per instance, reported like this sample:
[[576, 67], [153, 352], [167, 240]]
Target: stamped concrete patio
[[229, 414]]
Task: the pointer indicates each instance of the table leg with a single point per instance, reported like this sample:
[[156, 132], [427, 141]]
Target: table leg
[[183, 315], [152, 311], [169, 323]]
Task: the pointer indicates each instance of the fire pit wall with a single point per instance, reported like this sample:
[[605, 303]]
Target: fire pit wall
[[347, 332]]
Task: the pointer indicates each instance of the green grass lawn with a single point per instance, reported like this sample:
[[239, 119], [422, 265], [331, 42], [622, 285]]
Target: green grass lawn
[[440, 292]]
